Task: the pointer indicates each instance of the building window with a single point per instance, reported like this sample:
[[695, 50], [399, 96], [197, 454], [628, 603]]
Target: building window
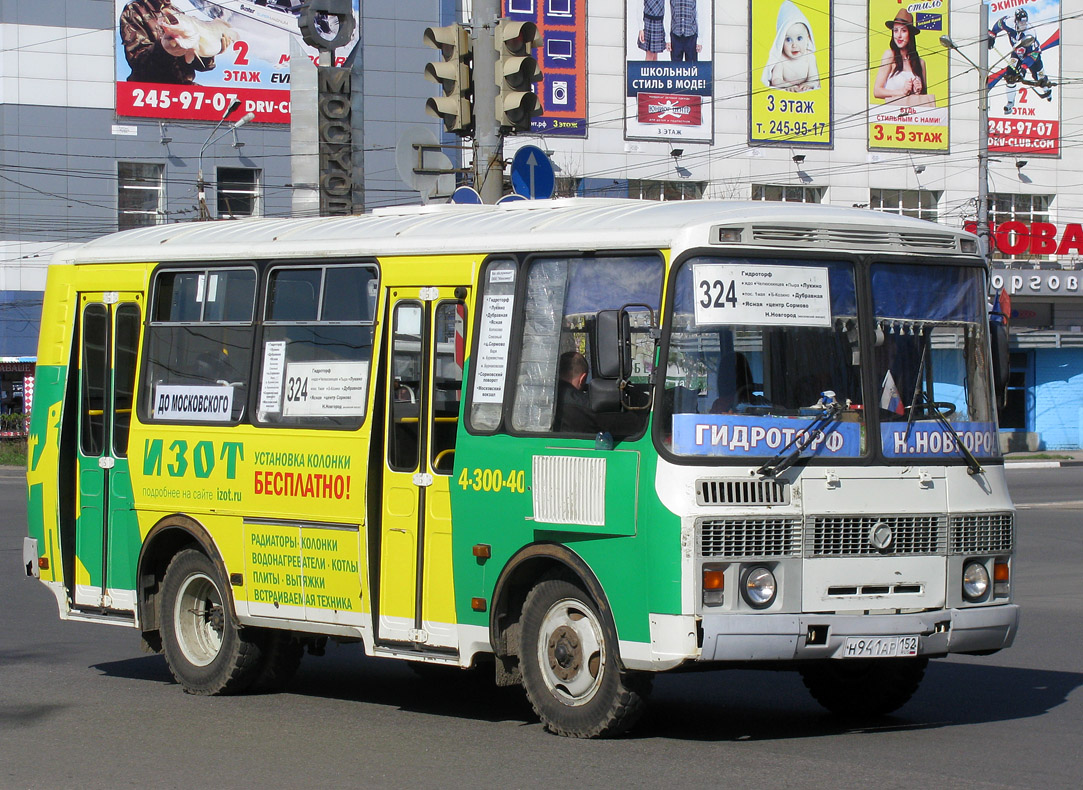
[[566, 186], [140, 194], [919, 203], [666, 190], [238, 192], [1024, 209], [640, 189], [787, 194]]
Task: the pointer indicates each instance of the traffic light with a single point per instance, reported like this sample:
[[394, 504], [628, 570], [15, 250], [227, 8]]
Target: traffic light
[[455, 77], [516, 72]]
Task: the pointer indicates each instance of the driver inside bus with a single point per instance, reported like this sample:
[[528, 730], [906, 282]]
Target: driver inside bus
[[574, 411]]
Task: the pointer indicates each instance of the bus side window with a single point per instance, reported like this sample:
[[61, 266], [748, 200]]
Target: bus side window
[[200, 339], [406, 377], [495, 309], [449, 331], [317, 345], [564, 296]]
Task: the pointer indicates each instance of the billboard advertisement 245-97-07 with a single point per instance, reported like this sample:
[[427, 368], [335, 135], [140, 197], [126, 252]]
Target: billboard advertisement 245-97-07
[[190, 59], [1024, 72]]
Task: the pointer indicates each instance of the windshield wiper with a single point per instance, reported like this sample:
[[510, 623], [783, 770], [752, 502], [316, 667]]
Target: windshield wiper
[[804, 439], [972, 465]]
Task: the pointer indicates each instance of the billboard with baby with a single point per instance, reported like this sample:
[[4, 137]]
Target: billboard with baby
[[790, 73], [190, 59]]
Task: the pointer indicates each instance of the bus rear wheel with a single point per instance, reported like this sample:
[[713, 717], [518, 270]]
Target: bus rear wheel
[[855, 688], [205, 650], [570, 668], [281, 658]]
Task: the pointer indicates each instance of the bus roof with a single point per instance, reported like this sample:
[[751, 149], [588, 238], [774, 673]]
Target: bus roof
[[530, 225]]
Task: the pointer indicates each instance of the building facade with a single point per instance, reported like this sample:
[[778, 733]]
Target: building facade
[[849, 102], [88, 150], [745, 121]]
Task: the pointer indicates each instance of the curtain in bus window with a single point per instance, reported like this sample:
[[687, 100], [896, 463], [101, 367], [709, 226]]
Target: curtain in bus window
[[927, 293]]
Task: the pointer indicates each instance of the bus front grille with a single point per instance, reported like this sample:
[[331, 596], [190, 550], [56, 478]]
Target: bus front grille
[[741, 492], [750, 537], [854, 536], [982, 533]]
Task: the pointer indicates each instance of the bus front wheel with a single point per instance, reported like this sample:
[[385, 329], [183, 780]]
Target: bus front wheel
[[205, 650], [570, 668], [872, 687]]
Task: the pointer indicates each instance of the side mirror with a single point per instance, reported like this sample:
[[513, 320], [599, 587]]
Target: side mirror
[[604, 396], [998, 340], [612, 347]]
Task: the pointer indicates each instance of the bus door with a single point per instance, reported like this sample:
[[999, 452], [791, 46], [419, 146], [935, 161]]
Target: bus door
[[424, 387], [106, 530]]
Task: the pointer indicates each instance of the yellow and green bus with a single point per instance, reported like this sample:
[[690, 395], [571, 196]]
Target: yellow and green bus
[[578, 442]]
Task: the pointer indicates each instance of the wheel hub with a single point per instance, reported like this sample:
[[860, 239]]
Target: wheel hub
[[565, 656]]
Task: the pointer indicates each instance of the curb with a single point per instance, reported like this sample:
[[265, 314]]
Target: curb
[[1039, 464]]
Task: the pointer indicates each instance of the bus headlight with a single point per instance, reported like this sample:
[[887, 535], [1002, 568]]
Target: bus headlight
[[975, 581], [758, 587]]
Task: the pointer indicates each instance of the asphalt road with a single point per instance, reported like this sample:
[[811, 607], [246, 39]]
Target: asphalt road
[[81, 707]]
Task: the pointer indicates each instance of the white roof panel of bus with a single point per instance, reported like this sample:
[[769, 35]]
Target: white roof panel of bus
[[575, 223]]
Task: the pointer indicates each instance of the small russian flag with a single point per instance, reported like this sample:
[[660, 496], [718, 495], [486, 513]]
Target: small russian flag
[[889, 395]]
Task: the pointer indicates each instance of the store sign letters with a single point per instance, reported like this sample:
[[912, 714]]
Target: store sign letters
[[1037, 238]]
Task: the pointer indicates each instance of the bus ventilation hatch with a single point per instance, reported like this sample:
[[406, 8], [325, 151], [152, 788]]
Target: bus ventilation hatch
[[852, 238]]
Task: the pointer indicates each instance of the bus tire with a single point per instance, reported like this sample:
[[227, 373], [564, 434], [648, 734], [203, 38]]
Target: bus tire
[[571, 671], [281, 657], [875, 687], [205, 650]]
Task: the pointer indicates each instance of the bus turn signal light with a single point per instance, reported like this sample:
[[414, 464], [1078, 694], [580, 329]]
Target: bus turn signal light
[[714, 586], [1002, 577], [43, 563], [714, 579]]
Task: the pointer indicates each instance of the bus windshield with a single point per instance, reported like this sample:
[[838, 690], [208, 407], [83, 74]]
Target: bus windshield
[[754, 346], [760, 348], [933, 371]]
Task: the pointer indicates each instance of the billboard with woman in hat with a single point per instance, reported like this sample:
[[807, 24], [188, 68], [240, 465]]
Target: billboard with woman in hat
[[908, 77]]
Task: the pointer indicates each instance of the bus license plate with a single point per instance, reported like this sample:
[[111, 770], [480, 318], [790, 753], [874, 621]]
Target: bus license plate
[[880, 646]]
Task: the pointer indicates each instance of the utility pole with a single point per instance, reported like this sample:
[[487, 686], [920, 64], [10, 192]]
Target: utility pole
[[982, 230], [983, 135], [488, 143]]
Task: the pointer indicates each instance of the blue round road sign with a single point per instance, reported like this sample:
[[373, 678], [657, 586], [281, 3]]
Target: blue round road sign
[[532, 174], [466, 195]]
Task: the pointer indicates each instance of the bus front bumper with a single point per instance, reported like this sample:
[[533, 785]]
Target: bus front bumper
[[788, 637]]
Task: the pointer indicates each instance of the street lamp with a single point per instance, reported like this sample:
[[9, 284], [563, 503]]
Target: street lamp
[[982, 67], [201, 185]]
